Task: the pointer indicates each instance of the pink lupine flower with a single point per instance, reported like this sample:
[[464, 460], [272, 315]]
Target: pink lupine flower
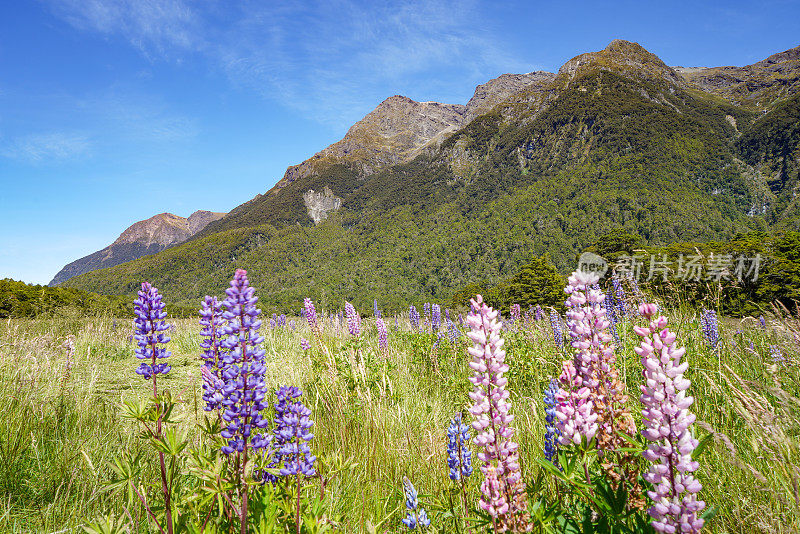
[[667, 421], [574, 411], [503, 491]]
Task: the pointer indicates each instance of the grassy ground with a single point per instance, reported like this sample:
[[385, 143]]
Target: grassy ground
[[60, 419]]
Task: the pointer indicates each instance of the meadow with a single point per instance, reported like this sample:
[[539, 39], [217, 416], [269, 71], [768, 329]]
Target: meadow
[[380, 416]]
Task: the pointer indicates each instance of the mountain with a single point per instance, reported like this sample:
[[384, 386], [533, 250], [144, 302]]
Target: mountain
[[420, 198], [140, 239]]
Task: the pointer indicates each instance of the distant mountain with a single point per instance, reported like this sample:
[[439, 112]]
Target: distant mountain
[[140, 239], [421, 198]]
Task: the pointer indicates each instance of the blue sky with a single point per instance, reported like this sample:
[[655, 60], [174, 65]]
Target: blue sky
[[114, 110]]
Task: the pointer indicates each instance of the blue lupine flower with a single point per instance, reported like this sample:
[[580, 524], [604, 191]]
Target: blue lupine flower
[[413, 316], [552, 434], [762, 322], [353, 319], [212, 334], [558, 334], [775, 353], [459, 457], [538, 313], [708, 322], [436, 317], [244, 369], [619, 297], [611, 315], [149, 327], [291, 434], [453, 331], [415, 515], [375, 311], [426, 310]]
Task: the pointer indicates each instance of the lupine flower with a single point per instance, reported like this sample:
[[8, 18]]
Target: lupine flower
[[577, 420], [551, 434], [149, 326], [447, 314], [611, 315], [436, 317], [292, 325], [244, 368], [396, 324], [558, 335], [503, 491], [667, 422], [775, 353], [538, 313], [282, 320], [353, 320], [311, 314], [376, 312], [415, 515], [383, 342], [459, 457], [291, 434], [762, 322], [426, 310], [305, 344], [274, 321], [708, 322], [452, 331], [619, 297], [516, 313], [413, 317], [211, 334]]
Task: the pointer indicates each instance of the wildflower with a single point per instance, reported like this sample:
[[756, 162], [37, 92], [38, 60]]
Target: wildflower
[[667, 421], [762, 322], [577, 420], [619, 300], [311, 314], [611, 315], [413, 317], [353, 319], [426, 310], [149, 326], [375, 309], [516, 313], [436, 317], [538, 313], [710, 327], [292, 325], [551, 434], [558, 335], [452, 331], [493, 420], [244, 368], [211, 333], [415, 515], [775, 353], [459, 457], [305, 344], [383, 342], [291, 434]]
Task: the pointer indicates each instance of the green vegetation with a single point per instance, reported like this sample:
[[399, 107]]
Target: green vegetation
[[18, 299], [63, 424]]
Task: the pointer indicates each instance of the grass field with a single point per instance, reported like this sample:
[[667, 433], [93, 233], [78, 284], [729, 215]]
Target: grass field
[[61, 422]]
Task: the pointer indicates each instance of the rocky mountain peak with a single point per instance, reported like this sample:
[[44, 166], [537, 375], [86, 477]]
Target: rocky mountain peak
[[622, 57], [163, 229], [499, 89]]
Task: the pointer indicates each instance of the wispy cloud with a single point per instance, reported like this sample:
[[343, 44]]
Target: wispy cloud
[[329, 59], [46, 147]]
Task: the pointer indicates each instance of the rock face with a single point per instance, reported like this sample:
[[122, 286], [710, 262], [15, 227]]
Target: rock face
[[140, 239], [320, 203], [757, 86], [500, 89]]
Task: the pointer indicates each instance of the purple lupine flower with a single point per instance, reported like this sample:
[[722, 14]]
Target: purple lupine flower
[[619, 297], [775, 353], [149, 328], [413, 317], [493, 418], [305, 344], [762, 322], [292, 325], [453, 331], [291, 434], [353, 319], [558, 334], [710, 327], [551, 433], [243, 375], [436, 317], [611, 314], [311, 314], [667, 422], [282, 320], [460, 320], [396, 324], [211, 334], [426, 310], [273, 322], [415, 515], [383, 342], [375, 311], [538, 313], [516, 313], [447, 314], [459, 457]]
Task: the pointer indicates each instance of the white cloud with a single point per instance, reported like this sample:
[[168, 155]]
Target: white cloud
[[44, 147]]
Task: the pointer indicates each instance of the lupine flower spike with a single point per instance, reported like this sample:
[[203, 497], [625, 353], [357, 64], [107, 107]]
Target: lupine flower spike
[[149, 327], [383, 341], [211, 333], [353, 319], [551, 433], [415, 515], [667, 421], [503, 491]]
